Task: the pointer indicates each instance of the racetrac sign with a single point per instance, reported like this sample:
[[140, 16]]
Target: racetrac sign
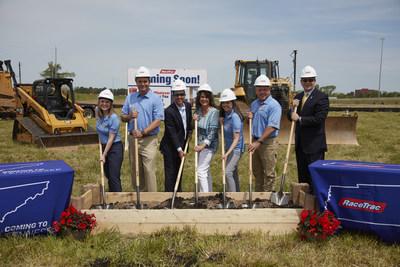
[[161, 80]]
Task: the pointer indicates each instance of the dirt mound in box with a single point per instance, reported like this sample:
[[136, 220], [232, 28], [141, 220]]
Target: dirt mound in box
[[209, 202]]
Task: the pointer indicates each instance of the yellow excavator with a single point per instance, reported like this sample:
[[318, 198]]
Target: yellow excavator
[[46, 114], [339, 129], [8, 103]]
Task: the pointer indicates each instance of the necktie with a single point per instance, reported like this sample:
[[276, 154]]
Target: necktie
[[303, 101]]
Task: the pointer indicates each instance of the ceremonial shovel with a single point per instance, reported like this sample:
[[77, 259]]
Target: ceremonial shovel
[[224, 205], [105, 206], [178, 179], [279, 198], [196, 178], [138, 206]]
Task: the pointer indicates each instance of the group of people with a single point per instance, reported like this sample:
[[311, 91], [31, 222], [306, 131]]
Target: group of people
[[144, 112]]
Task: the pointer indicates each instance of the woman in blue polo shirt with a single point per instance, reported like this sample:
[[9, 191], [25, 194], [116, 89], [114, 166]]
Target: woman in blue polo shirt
[[233, 134], [107, 127]]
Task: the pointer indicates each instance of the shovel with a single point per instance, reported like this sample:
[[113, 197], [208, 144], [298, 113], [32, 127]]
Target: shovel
[[279, 198], [250, 168], [223, 206], [138, 206], [196, 178], [105, 206], [178, 179]]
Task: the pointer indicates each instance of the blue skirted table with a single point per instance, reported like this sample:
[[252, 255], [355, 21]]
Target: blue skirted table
[[363, 195], [33, 195]]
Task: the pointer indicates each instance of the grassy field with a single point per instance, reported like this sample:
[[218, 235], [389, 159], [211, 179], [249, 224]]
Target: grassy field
[[377, 133]]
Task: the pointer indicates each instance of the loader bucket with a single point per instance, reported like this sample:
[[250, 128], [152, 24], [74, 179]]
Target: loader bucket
[[68, 140], [340, 130], [27, 131]]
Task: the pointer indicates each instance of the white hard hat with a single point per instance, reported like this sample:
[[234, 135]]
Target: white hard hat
[[143, 72], [205, 87], [308, 72], [178, 85], [107, 94], [227, 95], [262, 80]]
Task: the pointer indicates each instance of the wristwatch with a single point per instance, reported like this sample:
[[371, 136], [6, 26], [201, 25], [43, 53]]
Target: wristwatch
[[260, 141], [143, 133]]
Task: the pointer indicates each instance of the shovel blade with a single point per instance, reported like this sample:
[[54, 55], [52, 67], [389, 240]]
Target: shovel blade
[[279, 198]]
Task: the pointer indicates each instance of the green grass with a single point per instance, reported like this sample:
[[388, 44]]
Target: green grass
[[377, 133], [373, 101]]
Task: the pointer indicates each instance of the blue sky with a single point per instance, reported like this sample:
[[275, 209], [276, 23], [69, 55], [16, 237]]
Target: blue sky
[[100, 39]]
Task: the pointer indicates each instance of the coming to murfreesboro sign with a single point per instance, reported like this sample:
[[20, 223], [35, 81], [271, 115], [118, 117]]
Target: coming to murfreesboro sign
[[161, 80]]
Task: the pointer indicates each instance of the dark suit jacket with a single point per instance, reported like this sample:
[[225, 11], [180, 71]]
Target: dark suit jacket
[[311, 131], [174, 134]]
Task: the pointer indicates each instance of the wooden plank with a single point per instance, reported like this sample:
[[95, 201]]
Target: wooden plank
[[87, 199], [275, 221]]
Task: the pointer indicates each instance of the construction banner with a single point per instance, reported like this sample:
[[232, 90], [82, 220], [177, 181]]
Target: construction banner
[[161, 81]]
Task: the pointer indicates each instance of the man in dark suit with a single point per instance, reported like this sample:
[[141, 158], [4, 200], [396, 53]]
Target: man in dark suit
[[177, 130], [310, 138]]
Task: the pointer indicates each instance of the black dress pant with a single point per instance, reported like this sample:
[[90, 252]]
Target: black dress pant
[[171, 169], [303, 160]]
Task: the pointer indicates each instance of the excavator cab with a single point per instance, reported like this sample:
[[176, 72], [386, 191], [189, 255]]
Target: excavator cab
[[247, 73], [56, 96]]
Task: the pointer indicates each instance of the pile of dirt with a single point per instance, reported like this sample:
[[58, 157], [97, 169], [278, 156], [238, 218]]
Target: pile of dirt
[[209, 202]]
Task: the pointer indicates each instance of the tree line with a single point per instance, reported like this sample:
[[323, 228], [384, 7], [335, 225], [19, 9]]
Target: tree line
[[96, 91]]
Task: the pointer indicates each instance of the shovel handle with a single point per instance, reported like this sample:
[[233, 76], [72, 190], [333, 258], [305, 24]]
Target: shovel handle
[[178, 178], [222, 154], [196, 154], [289, 144], [102, 175], [136, 157]]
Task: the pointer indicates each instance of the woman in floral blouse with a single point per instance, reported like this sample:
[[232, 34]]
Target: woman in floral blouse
[[207, 133]]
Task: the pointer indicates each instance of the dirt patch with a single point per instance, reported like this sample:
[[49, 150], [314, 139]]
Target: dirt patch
[[209, 202]]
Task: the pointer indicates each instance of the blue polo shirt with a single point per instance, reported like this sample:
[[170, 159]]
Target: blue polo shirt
[[233, 124], [106, 126], [150, 107], [267, 113]]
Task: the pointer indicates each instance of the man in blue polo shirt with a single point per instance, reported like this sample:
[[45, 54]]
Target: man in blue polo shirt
[[147, 107], [266, 114]]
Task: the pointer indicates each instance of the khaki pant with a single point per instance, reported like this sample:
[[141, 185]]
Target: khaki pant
[[264, 161], [147, 162]]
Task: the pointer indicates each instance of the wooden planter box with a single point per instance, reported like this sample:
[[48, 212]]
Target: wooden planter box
[[227, 221]]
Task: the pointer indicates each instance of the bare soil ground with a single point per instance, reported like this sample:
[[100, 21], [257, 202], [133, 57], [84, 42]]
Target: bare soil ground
[[210, 202]]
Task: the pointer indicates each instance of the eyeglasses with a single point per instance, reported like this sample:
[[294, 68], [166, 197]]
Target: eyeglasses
[[307, 80], [180, 94]]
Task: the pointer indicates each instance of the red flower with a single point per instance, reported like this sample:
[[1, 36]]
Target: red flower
[[74, 219]]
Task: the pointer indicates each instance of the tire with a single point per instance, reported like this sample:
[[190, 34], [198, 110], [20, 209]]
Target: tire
[[88, 113]]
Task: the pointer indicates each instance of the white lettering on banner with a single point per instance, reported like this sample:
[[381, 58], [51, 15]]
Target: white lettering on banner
[[362, 204], [28, 227]]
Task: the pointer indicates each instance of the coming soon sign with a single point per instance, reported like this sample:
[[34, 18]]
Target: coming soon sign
[[161, 81]]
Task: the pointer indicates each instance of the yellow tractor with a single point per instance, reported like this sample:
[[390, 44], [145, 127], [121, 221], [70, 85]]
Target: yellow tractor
[[46, 114], [339, 129]]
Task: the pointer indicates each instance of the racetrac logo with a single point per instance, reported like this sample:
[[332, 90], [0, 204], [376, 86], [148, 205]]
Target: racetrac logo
[[164, 71], [362, 205]]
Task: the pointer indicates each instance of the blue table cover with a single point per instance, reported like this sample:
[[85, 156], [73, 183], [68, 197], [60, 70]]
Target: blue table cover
[[363, 195], [33, 195]]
